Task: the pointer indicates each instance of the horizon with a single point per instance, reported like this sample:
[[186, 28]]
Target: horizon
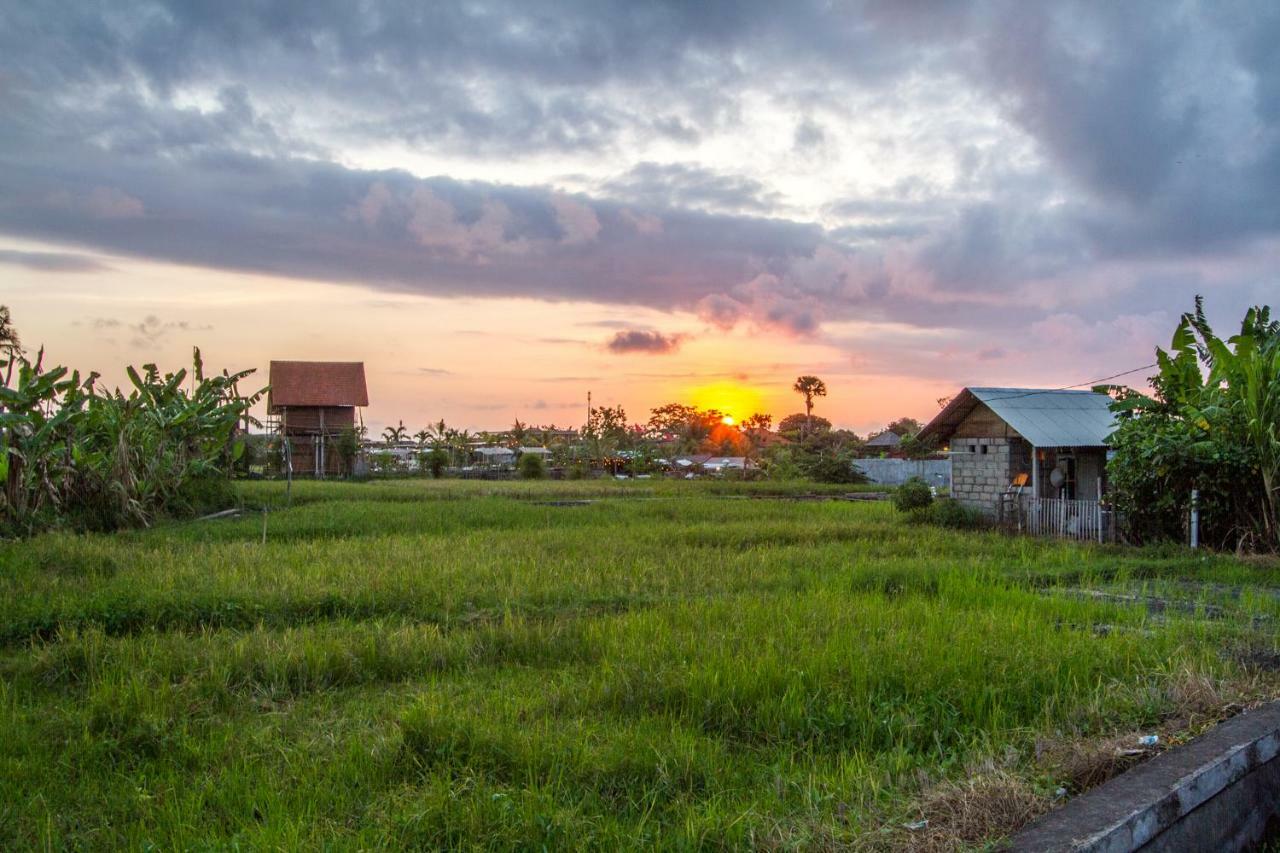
[[498, 208]]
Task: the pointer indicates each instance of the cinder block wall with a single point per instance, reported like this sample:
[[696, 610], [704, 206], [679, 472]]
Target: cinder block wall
[[982, 468]]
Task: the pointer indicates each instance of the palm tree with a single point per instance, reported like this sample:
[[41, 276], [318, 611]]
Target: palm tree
[[395, 435], [422, 436], [810, 387], [519, 431], [462, 441]]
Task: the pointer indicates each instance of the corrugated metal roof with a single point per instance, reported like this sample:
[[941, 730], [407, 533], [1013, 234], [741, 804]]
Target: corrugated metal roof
[[1052, 418]]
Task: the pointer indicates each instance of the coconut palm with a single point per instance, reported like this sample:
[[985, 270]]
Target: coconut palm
[[395, 435], [519, 432]]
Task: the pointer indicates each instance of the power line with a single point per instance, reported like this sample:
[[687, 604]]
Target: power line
[[1090, 382]]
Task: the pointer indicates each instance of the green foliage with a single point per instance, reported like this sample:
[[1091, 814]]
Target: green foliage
[[82, 456], [348, 449], [1213, 425], [384, 462], [904, 426], [948, 513], [800, 424], [437, 460], [833, 467], [914, 494], [530, 466]]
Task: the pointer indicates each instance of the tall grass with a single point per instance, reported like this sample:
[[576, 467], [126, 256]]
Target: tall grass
[[462, 665]]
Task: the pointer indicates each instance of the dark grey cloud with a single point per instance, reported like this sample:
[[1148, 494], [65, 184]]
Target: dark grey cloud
[[52, 261], [1148, 134], [643, 341]]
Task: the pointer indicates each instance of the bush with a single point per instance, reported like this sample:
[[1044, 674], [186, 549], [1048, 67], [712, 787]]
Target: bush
[[913, 495], [436, 461], [949, 512], [531, 467], [835, 468]]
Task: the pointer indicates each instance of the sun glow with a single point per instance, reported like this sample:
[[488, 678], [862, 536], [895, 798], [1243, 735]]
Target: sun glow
[[734, 402]]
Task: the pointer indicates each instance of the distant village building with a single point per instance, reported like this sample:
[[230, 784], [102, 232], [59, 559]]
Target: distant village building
[[885, 442], [1041, 443], [495, 457], [310, 404]]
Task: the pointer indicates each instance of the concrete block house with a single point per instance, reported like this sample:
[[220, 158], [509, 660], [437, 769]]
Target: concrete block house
[[1037, 443]]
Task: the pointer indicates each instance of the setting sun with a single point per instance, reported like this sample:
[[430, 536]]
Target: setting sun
[[732, 400]]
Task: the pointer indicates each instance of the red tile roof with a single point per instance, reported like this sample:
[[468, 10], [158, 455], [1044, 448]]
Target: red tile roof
[[317, 383]]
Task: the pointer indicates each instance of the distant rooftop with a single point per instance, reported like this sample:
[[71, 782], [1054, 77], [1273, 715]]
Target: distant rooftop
[[317, 383], [1044, 417], [888, 438]]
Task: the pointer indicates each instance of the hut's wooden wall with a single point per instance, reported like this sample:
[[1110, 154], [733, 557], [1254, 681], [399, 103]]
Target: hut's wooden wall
[[303, 427], [983, 423], [308, 419]]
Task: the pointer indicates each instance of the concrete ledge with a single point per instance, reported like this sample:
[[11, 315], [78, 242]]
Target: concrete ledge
[[1219, 792]]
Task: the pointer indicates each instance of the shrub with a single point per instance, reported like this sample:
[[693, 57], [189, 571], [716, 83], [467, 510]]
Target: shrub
[[437, 459], [384, 462], [913, 495], [949, 512], [531, 467], [835, 468], [348, 448]]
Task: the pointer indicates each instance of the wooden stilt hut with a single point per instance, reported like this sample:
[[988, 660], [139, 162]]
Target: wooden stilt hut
[[312, 403]]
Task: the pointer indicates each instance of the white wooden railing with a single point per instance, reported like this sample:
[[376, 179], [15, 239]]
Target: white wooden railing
[[1084, 521]]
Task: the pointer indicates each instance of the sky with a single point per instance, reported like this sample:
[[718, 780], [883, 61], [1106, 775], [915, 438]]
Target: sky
[[500, 206]]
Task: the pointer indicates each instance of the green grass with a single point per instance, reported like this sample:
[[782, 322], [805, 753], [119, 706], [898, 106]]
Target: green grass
[[460, 664]]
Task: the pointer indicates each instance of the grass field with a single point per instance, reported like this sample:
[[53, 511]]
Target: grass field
[[591, 665]]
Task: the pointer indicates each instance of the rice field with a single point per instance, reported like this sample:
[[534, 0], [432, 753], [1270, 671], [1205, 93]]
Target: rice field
[[593, 665]]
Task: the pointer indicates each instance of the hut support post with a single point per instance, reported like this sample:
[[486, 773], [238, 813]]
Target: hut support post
[[1035, 473]]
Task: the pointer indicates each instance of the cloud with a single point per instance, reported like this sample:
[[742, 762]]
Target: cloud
[[642, 341], [151, 330], [52, 261], [688, 185], [976, 167], [96, 203], [577, 221], [644, 223]]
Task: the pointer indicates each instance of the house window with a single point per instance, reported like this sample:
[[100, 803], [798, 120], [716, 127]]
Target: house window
[[973, 448], [984, 449]]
